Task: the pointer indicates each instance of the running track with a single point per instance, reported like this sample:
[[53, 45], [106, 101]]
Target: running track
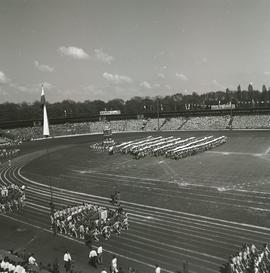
[[156, 235]]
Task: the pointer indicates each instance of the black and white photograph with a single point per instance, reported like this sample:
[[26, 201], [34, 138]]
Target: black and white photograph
[[134, 136]]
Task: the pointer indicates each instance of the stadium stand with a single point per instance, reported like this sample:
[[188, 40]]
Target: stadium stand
[[206, 123], [152, 124], [174, 123], [118, 125], [135, 125], [251, 122]]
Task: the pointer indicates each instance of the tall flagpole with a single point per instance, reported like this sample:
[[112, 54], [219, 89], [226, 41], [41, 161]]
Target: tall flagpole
[[46, 133], [46, 130]]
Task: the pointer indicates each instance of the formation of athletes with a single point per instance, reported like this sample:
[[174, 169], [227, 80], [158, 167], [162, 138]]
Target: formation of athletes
[[170, 147], [87, 221], [12, 198]]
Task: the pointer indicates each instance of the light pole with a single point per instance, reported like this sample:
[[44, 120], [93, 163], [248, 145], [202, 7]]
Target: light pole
[[158, 114]]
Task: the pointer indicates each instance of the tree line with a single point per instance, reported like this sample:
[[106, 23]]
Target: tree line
[[138, 105]]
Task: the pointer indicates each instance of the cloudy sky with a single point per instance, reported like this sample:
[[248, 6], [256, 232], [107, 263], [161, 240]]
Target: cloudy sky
[[104, 49]]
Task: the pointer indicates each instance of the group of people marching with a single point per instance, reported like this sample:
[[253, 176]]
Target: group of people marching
[[87, 221], [12, 198], [6, 153], [175, 148], [100, 147], [250, 260]]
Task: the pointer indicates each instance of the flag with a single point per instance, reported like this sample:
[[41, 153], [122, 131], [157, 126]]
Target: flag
[[46, 131]]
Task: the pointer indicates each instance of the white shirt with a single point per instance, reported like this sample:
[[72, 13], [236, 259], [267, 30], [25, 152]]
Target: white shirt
[[2, 264], [11, 267], [157, 270], [114, 262], [6, 265], [99, 250], [67, 257], [31, 260], [17, 269], [92, 253]]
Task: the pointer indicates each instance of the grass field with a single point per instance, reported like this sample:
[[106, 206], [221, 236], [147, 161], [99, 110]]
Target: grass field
[[211, 183]]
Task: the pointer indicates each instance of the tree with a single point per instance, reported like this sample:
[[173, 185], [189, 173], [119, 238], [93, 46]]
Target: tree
[[250, 88], [238, 88], [115, 104], [264, 89]]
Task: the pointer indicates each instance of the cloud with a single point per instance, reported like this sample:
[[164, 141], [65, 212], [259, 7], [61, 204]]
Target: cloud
[[181, 76], [74, 52], [267, 73], [43, 67], [103, 57], [3, 78], [47, 85], [32, 88], [216, 84], [204, 60], [116, 79], [161, 75], [146, 85]]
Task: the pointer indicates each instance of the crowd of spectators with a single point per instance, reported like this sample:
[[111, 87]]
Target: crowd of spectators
[[251, 122], [88, 221], [150, 124], [206, 123], [135, 124], [11, 198], [173, 123], [249, 259]]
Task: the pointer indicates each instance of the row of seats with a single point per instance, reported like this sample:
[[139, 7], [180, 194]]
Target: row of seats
[[178, 123]]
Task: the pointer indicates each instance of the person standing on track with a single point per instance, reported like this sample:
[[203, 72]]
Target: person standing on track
[[93, 258], [67, 261], [99, 255], [114, 268], [157, 269]]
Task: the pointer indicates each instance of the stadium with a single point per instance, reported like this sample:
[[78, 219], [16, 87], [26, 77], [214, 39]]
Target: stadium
[[151, 150], [193, 212]]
